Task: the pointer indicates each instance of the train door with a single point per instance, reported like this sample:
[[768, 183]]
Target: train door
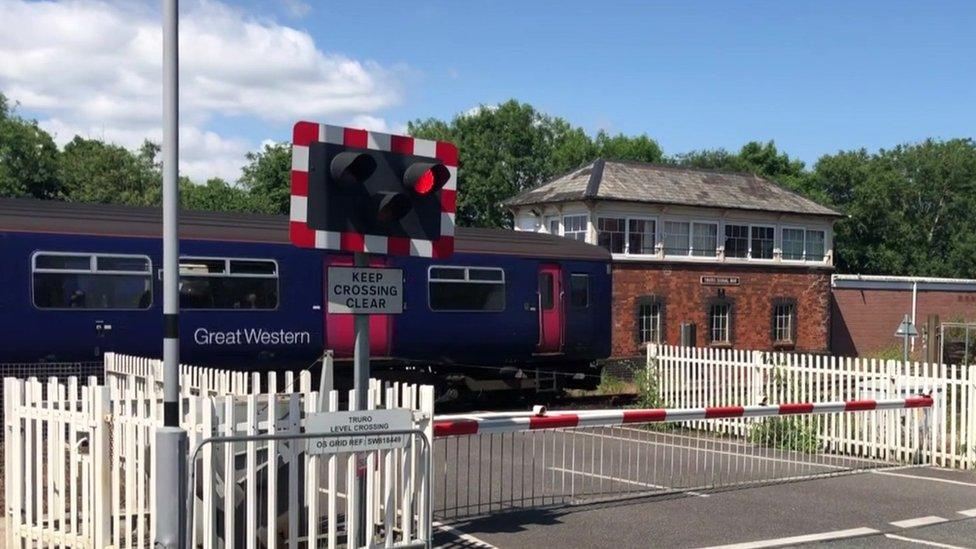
[[340, 335], [550, 308]]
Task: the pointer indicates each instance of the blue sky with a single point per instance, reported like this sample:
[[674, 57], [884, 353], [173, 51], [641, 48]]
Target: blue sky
[[815, 77]]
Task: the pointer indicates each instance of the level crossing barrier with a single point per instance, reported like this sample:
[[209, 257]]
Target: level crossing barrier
[[492, 462]]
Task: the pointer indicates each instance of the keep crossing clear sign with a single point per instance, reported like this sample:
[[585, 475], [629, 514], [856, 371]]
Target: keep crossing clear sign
[[365, 290], [371, 428]]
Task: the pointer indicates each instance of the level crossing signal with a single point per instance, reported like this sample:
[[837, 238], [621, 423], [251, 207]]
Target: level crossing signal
[[360, 191]]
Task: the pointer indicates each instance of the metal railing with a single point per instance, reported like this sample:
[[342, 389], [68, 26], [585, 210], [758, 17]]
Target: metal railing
[[485, 464]]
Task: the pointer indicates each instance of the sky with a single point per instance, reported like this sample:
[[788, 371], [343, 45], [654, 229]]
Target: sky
[[815, 77]]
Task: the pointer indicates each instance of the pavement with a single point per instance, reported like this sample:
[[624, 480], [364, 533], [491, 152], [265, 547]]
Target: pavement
[[890, 507]]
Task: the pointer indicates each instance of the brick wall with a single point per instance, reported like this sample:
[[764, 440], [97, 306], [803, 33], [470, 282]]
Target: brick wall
[[865, 320], [686, 300]]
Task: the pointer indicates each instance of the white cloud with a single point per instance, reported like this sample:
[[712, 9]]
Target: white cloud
[[95, 69]]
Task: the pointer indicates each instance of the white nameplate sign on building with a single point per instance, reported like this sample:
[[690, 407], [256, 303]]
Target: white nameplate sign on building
[[365, 290], [371, 428]]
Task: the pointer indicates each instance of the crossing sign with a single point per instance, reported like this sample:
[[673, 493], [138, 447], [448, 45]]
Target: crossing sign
[[359, 191]]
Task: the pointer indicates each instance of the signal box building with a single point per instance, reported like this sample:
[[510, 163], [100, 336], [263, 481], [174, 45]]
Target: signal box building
[[706, 258]]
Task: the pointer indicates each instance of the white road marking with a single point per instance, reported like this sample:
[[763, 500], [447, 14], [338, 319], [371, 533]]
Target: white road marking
[[923, 542], [779, 542], [920, 521], [933, 479], [968, 513], [462, 536], [625, 481], [722, 452]]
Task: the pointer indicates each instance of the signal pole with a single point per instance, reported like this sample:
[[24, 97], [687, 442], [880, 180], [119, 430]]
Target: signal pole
[[171, 441], [361, 387]]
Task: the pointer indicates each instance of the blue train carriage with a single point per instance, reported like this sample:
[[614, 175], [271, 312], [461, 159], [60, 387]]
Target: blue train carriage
[[507, 310]]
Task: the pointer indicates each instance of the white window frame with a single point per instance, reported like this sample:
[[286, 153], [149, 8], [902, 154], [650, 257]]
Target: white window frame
[[803, 242], [790, 325], [691, 238], [687, 252], [822, 257], [586, 226], [91, 270], [655, 236], [762, 226], [654, 325], [547, 221], [624, 233], [748, 227], [466, 280], [727, 325]]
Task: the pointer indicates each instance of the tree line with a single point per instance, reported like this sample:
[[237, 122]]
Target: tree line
[[908, 210]]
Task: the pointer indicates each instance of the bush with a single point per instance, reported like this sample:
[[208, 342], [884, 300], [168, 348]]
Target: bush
[[786, 433]]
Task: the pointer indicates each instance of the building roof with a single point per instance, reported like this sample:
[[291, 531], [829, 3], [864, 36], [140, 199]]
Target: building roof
[[885, 282], [661, 184], [48, 216]]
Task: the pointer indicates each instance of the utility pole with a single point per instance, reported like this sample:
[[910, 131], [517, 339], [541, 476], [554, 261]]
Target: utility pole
[[171, 441]]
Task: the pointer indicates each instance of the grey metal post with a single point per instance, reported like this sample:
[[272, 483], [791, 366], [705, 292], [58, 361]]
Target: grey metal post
[[905, 347], [361, 387], [171, 441]]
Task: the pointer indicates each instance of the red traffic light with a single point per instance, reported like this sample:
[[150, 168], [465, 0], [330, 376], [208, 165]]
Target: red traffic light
[[425, 177]]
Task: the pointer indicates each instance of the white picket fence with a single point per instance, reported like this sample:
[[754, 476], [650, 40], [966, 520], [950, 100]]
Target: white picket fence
[[689, 377], [79, 461]]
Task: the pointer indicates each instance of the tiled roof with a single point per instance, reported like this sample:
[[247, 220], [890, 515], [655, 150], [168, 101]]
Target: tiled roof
[[661, 184]]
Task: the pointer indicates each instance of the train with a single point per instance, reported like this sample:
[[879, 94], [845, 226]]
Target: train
[[507, 310]]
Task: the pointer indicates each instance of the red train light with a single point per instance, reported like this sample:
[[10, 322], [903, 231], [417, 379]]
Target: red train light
[[424, 178]]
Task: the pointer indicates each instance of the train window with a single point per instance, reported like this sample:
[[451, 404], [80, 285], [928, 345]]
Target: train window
[[91, 281], [546, 291], [475, 289], [579, 290], [222, 284]]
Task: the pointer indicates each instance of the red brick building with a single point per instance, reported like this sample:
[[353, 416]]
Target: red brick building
[[731, 259], [868, 309]]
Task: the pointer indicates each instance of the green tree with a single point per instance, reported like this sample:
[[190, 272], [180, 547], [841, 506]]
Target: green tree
[[91, 170], [267, 178], [28, 157], [910, 208], [507, 148], [217, 195]]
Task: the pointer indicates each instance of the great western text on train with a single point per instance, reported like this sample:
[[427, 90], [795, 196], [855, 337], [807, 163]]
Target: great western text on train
[[364, 290], [368, 430]]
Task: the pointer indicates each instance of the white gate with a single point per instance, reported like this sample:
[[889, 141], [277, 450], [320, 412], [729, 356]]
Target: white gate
[[79, 460]]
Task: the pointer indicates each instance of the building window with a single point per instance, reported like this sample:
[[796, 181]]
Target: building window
[[474, 289], [761, 245], [737, 241], [650, 320], [720, 323], [610, 233], [677, 235], [793, 244], [579, 290], [784, 321], [574, 226], [813, 248], [91, 281], [641, 234], [552, 224], [704, 239], [224, 283], [803, 245]]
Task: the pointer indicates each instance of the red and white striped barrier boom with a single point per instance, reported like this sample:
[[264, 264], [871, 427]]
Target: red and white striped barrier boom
[[494, 423]]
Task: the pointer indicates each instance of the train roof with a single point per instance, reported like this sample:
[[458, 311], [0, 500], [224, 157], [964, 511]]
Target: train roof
[[49, 216]]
